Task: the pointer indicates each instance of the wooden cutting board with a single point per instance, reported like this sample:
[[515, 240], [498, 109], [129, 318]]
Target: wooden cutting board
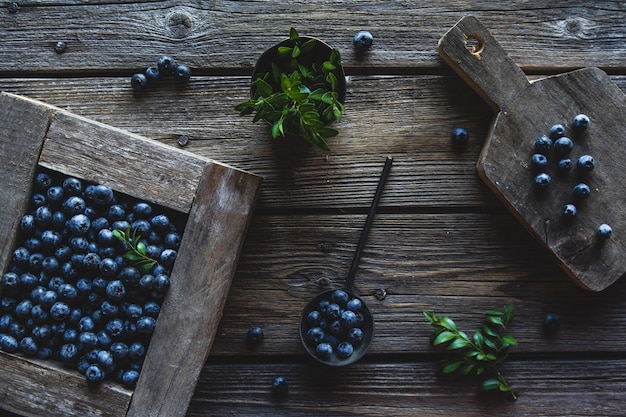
[[527, 110]]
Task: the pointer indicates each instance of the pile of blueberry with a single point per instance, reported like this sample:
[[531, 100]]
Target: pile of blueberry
[[73, 291], [558, 147], [166, 66], [335, 326]]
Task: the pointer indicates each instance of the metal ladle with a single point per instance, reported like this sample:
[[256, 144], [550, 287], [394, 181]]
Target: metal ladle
[[367, 323]]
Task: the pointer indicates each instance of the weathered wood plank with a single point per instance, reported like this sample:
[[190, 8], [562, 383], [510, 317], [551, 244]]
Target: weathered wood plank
[[201, 280], [413, 117], [222, 34], [554, 387], [455, 264], [132, 165], [23, 126], [50, 390]]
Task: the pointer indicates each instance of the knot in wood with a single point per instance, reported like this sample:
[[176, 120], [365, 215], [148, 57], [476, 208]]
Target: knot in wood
[[179, 24]]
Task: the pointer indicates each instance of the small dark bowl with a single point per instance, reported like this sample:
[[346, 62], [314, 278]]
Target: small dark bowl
[[334, 360]]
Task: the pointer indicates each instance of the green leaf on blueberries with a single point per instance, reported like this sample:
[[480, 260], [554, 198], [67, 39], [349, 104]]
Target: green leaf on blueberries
[[479, 355], [138, 250]]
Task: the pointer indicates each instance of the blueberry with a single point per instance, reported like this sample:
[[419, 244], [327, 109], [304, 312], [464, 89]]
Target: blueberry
[[9, 343], [565, 165], [168, 257], [94, 374], [581, 122], [581, 190], [55, 194], [563, 146], [10, 282], [102, 195], [119, 350], [86, 324], [551, 324], [604, 231], [335, 328], [28, 346], [133, 311], [88, 339], [109, 309], [160, 222], [21, 257], [569, 211], [42, 181], [161, 283], [146, 325], [108, 267], [333, 311], [72, 186], [136, 351], [23, 309], [27, 224], [543, 180], [254, 336], [339, 297], [43, 217], [324, 350], [74, 205], [539, 161], [130, 378], [106, 360], [182, 72], [344, 349], [280, 387], [59, 311], [348, 319], [557, 131], [79, 224], [459, 136], [115, 290], [313, 318], [362, 41], [354, 305], [355, 335], [138, 82], [152, 309], [69, 353], [314, 335], [152, 73], [543, 145], [70, 336], [585, 164], [166, 65], [172, 240]]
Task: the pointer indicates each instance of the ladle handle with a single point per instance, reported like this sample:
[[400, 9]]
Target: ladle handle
[[368, 223]]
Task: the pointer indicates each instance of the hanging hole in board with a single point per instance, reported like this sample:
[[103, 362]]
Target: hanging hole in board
[[474, 45]]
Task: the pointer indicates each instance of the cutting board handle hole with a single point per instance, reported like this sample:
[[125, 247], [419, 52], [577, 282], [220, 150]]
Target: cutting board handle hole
[[474, 45]]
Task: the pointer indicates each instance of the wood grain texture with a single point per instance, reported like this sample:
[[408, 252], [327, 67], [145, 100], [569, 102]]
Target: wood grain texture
[[222, 34], [410, 388], [49, 389], [22, 130], [201, 280]]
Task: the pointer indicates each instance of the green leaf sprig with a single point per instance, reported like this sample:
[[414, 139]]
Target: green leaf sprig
[[480, 355], [137, 252], [300, 95]]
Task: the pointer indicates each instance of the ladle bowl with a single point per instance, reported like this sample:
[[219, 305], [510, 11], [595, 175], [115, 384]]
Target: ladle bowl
[[365, 320]]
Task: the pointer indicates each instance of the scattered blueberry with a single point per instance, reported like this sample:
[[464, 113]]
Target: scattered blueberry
[[539, 161], [152, 73], [581, 190], [563, 146], [565, 165], [581, 122], [604, 231], [182, 72], [459, 136], [543, 145], [557, 131], [569, 211], [138, 82], [166, 65], [363, 41], [254, 337], [551, 324], [543, 180], [585, 164], [280, 387]]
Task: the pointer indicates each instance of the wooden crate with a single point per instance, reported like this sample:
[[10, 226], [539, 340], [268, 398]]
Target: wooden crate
[[219, 201]]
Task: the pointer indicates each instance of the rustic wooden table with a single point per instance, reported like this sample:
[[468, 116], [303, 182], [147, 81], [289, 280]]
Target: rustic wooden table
[[441, 241]]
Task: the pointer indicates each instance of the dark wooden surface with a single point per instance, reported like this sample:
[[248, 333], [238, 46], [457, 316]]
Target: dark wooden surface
[[441, 240]]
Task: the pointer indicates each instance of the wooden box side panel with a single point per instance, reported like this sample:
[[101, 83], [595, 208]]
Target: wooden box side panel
[[49, 390], [128, 163], [23, 126], [200, 283]]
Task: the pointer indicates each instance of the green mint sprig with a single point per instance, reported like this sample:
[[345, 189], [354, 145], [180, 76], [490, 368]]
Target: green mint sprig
[[480, 355], [137, 252]]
